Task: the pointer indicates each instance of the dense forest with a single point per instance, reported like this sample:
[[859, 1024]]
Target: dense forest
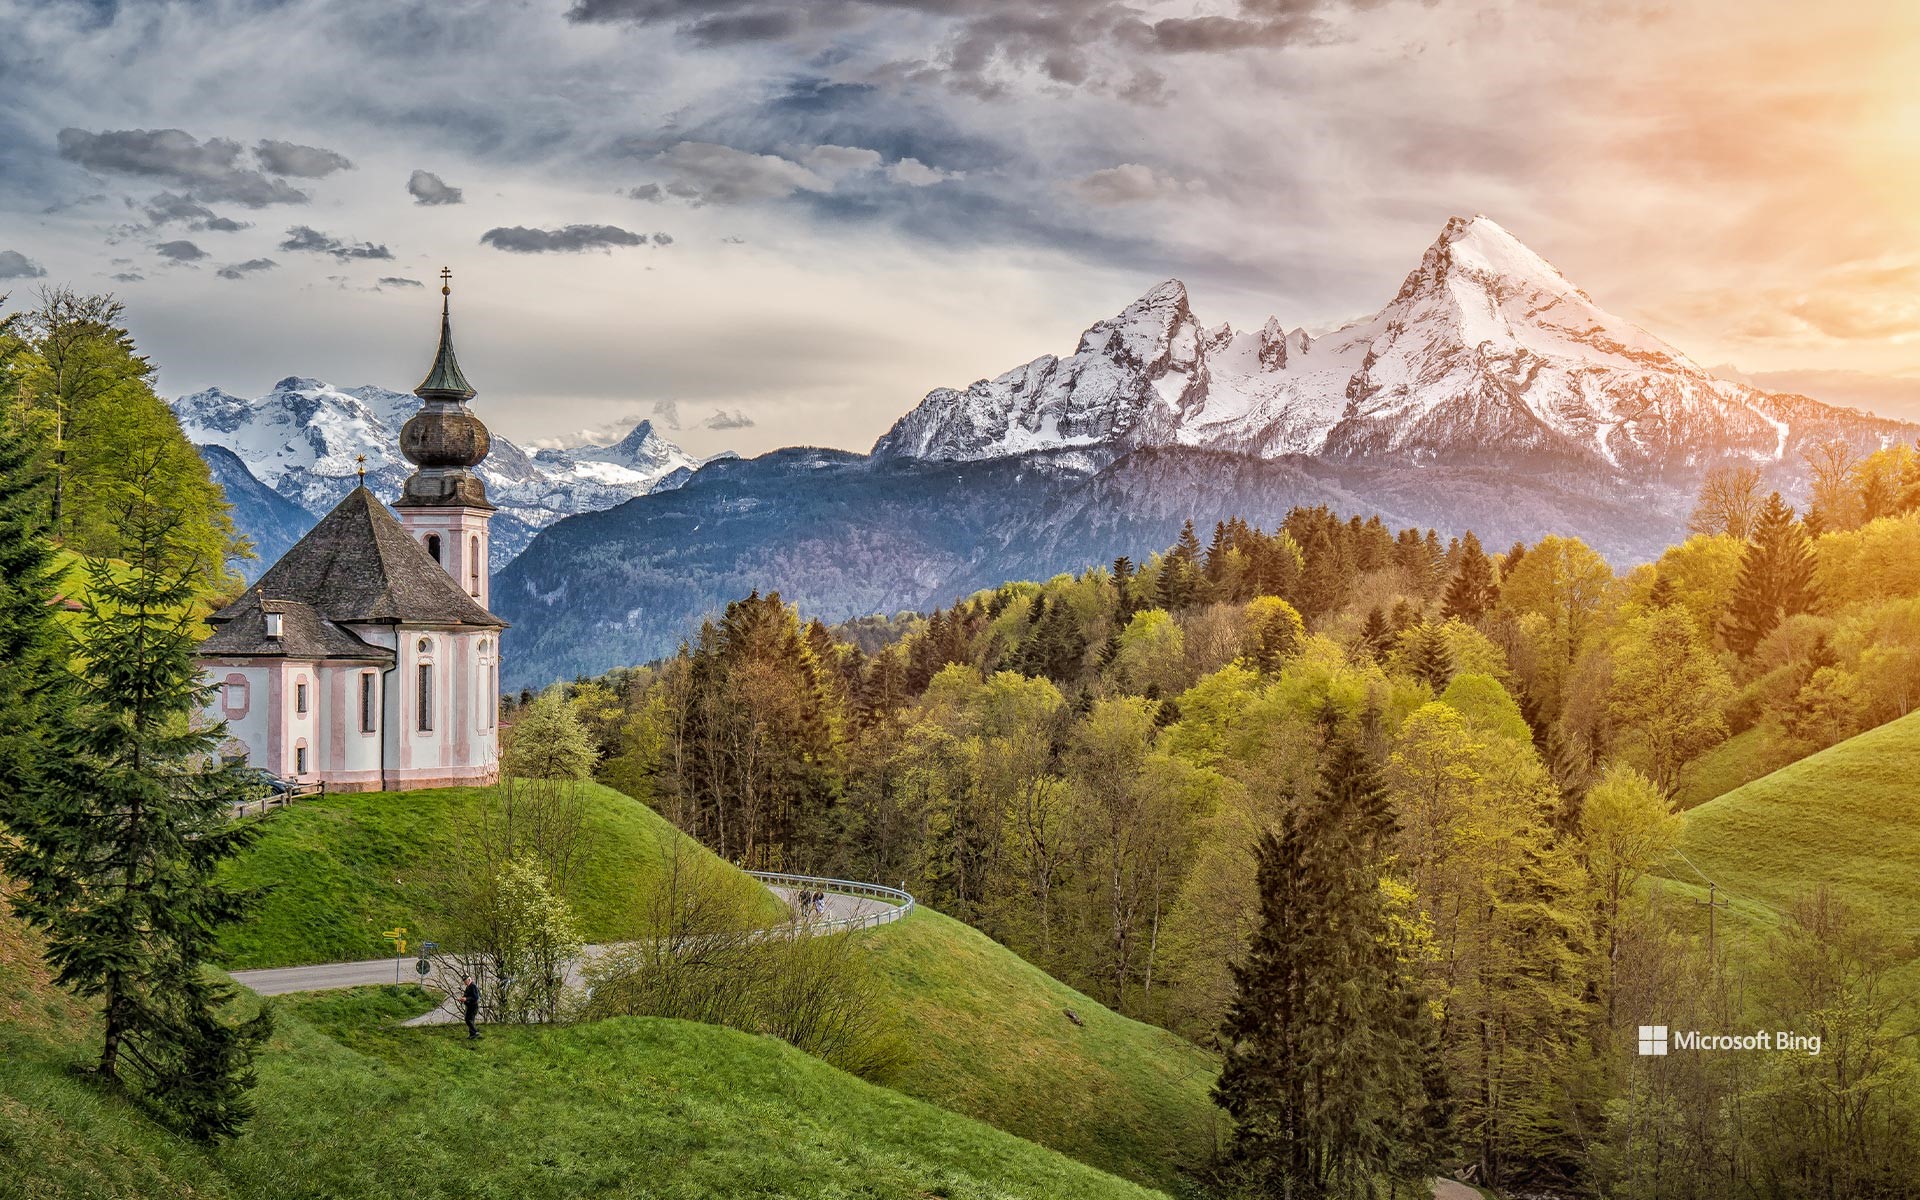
[[1137, 776]]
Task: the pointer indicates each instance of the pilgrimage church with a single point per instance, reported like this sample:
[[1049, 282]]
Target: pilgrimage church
[[366, 658]]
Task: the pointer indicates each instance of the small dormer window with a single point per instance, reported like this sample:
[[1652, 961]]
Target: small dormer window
[[433, 546], [273, 625]]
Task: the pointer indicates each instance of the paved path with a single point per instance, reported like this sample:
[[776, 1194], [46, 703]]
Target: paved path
[[280, 981], [1451, 1189]]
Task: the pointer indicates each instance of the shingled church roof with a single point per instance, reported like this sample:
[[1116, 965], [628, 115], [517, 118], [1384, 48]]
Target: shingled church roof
[[357, 564], [241, 632]]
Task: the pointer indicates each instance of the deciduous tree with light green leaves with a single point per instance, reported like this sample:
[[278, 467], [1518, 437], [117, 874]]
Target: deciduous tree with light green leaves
[[1669, 694]]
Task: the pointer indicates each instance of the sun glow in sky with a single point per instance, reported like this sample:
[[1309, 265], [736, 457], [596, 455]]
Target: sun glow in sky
[[771, 223]]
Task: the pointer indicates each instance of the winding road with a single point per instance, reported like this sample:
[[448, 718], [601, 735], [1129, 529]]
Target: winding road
[[844, 910]]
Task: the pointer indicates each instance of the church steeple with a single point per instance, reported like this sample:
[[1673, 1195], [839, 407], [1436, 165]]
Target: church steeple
[[444, 504], [444, 381], [444, 439]]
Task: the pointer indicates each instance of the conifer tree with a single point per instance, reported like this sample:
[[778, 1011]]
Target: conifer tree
[[1328, 1048], [1429, 658], [1375, 635], [1123, 591], [1776, 579], [117, 846], [35, 696], [1514, 554], [1471, 593]]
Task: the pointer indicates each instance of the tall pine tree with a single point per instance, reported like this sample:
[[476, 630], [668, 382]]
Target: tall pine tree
[[1775, 582], [1328, 1048], [35, 693], [117, 843], [1471, 592]]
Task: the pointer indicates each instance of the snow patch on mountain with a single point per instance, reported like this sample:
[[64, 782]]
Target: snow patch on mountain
[[1487, 354], [304, 440]]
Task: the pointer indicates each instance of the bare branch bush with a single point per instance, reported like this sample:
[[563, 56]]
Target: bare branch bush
[[701, 958]]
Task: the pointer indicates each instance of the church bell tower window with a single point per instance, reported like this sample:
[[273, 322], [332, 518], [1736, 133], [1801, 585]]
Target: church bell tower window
[[433, 546]]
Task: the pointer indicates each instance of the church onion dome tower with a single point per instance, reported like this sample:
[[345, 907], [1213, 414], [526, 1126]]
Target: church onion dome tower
[[444, 440], [443, 504]]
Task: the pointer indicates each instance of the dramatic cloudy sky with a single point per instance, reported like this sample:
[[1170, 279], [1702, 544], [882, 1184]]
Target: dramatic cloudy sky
[[770, 222]]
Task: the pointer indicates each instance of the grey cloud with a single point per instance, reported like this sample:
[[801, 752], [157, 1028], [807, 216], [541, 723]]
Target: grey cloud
[[210, 170], [663, 239], [127, 277], [307, 162], [171, 206], [243, 269], [667, 412], [15, 265], [972, 45], [1128, 183], [180, 251], [307, 238], [722, 419], [167, 207], [709, 173], [650, 192], [399, 281], [838, 161], [427, 188], [519, 239], [914, 173]]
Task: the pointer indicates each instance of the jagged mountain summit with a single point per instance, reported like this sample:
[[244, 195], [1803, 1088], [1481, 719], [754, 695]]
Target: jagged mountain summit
[[1488, 355], [301, 441]]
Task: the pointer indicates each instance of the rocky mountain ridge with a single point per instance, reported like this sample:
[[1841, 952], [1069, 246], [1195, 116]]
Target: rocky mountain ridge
[[302, 440], [1486, 355]]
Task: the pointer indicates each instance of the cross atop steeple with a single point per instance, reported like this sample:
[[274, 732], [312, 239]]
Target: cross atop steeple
[[444, 381]]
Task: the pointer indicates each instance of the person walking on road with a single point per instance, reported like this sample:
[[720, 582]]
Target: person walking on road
[[470, 1003]]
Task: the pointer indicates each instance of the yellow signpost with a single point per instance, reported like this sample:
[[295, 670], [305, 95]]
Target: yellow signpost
[[398, 936]]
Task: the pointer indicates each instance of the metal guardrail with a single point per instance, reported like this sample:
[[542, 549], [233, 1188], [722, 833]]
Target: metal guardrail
[[897, 902]]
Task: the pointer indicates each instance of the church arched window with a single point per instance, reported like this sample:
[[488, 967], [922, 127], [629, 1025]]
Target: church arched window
[[473, 565], [423, 694], [433, 546]]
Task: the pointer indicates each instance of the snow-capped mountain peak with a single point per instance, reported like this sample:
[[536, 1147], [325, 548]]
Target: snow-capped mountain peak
[[305, 439], [1486, 354]]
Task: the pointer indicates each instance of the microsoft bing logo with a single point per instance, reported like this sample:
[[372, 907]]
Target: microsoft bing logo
[[1653, 1039]]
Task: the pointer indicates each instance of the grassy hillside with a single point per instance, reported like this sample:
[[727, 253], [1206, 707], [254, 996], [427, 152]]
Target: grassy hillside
[[991, 1039], [339, 870], [1848, 817], [1740, 759], [351, 1106]]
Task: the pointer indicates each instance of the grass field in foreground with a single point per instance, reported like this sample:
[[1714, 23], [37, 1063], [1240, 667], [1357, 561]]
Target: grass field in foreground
[[351, 1106], [341, 869], [991, 1039]]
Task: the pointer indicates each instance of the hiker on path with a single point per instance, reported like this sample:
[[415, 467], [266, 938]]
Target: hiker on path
[[470, 1002]]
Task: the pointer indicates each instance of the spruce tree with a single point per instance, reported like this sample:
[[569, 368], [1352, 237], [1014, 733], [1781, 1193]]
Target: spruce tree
[[1429, 658], [35, 693], [1775, 582], [1471, 592], [1122, 591], [1375, 635], [117, 845], [1328, 1049]]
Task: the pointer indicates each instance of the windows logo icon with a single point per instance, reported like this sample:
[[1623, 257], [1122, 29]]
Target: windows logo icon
[[1653, 1039]]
